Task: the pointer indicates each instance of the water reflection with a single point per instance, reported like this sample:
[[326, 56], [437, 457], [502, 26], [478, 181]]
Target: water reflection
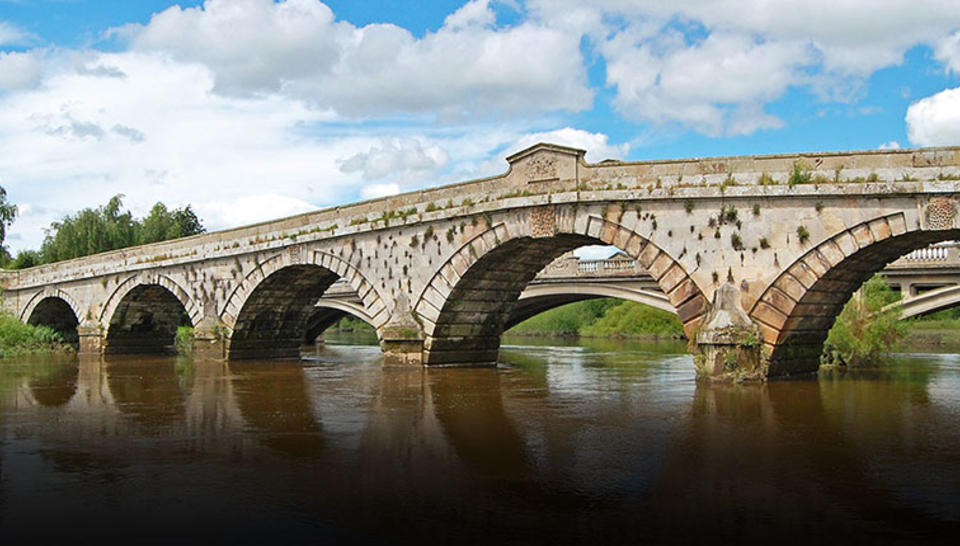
[[562, 443]]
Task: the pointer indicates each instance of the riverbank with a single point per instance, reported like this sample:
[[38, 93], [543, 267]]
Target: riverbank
[[934, 335], [18, 338]]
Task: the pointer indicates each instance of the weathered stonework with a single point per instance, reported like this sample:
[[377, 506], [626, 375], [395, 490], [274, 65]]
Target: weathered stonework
[[438, 272]]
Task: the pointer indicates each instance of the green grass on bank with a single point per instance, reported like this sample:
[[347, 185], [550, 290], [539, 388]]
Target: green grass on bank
[[605, 317], [566, 320], [350, 324], [630, 319], [18, 338]]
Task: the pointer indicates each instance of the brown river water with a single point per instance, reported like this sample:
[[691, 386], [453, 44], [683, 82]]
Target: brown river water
[[602, 442]]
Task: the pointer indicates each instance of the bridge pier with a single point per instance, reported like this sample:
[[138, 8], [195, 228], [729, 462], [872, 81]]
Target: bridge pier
[[209, 340], [91, 338], [728, 343], [401, 339]]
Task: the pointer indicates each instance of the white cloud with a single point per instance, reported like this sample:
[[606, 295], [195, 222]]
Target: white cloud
[[396, 158], [948, 52], [935, 120], [11, 34], [715, 86], [20, 70], [596, 144], [712, 65], [475, 12], [595, 252], [892, 145], [250, 209], [296, 47], [379, 190], [160, 134]]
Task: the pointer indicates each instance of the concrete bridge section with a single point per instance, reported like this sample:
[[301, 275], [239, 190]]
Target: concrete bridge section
[[757, 255]]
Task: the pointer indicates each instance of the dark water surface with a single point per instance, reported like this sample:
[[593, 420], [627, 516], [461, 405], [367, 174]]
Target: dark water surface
[[606, 442]]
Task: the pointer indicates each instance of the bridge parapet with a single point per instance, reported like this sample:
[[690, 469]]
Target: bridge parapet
[[946, 254]]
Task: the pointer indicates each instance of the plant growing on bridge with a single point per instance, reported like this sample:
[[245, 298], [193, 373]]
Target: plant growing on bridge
[[803, 234], [688, 205], [736, 241], [864, 334], [800, 174], [728, 215], [766, 180]]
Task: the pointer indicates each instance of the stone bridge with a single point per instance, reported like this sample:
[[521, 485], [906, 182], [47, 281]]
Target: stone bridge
[[757, 255], [928, 279]]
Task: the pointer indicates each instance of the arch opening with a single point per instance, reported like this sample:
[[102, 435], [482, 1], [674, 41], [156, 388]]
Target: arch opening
[[273, 321], [55, 313], [145, 322], [328, 313], [474, 315], [797, 311]]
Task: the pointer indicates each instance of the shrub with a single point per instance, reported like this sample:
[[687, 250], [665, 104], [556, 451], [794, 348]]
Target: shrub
[[862, 334], [18, 338]]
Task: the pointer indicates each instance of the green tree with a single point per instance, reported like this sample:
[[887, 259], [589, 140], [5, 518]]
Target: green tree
[[863, 334], [104, 228], [25, 259], [163, 224], [8, 213], [88, 232]]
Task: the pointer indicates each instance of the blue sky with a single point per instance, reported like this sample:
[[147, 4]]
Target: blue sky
[[255, 109]]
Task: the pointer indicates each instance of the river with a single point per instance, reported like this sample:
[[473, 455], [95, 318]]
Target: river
[[596, 442]]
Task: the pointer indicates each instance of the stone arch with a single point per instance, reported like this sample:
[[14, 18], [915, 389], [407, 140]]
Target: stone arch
[[466, 304], [49, 292], [272, 319], [328, 312], [796, 311], [193, 310], [145, 317], [54, 308], [368, 294]]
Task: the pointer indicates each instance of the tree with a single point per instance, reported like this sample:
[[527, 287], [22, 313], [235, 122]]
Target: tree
[[863, 334], [88, 232], [8, 213], [162, 224], [104, 228]]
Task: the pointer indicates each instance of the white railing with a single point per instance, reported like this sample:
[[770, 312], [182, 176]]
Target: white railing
[[935, 253], [600, 266]]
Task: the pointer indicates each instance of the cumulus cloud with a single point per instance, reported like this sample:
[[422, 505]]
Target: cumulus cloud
[[948, 52], [11, 34], [161, 134], [379, 190], [397, 158], [20, 70], [296, 47], [597, 145], [713, 65], [250, 209], [935, 120]]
